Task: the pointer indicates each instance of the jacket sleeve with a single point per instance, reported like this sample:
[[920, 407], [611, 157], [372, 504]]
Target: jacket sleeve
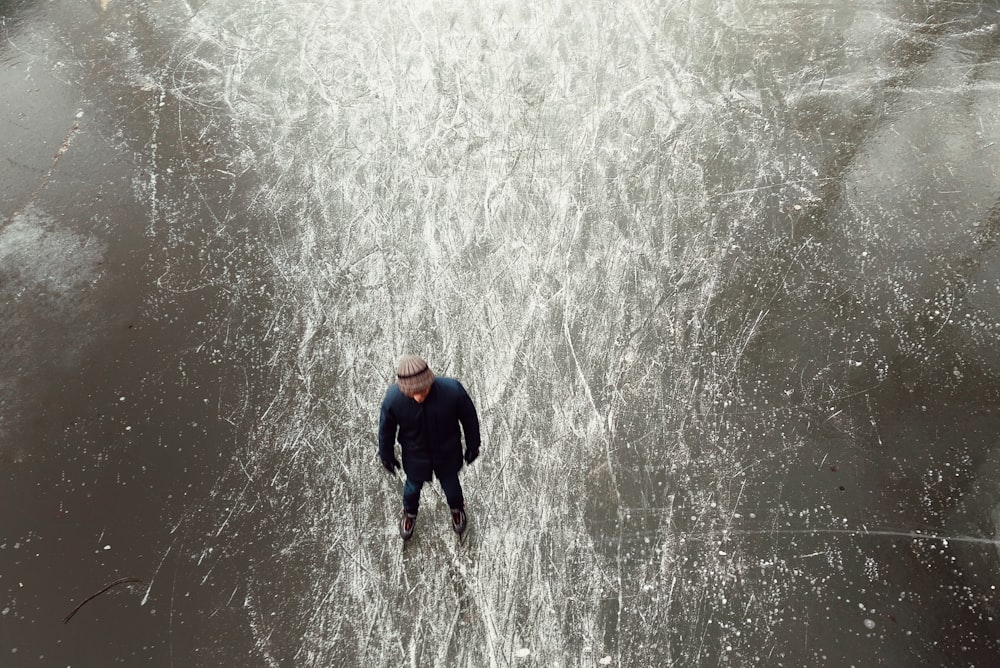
[[387, 427], [469, 419]]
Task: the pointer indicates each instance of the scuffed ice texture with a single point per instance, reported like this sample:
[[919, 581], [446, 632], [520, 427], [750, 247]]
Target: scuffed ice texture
[[545, 202], [699, 264]]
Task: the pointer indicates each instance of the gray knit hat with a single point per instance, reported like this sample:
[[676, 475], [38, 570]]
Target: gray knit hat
[[413, 374]]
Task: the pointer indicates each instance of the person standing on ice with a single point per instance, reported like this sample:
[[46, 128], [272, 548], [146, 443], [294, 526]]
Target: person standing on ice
[[424, 412]]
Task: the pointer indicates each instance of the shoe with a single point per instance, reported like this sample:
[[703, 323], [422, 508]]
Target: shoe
[[458, 520], [406, 524]]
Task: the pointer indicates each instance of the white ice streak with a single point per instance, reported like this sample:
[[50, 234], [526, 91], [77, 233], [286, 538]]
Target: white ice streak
[[529, 195]]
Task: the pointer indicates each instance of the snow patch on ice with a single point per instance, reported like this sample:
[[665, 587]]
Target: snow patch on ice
[[45, 269], [37, 255]]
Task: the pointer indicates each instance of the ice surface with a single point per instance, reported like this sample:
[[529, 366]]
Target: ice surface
[[52, 269], [702, 267]]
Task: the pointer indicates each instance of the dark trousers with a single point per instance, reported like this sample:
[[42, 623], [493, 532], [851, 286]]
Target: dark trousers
[[450, 485]]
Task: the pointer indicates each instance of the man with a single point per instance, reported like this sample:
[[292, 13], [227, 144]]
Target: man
[[425, 412]]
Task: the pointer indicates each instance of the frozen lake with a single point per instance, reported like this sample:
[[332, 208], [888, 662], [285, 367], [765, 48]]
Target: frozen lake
[[722, 278]]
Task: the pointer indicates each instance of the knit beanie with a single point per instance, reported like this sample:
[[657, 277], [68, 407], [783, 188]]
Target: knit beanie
[[413, 374]]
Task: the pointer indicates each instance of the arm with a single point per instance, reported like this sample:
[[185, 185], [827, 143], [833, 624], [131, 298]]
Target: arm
[[387, 428], [469, 419]]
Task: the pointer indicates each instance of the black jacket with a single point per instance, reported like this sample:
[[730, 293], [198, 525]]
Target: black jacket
[[429, 433]]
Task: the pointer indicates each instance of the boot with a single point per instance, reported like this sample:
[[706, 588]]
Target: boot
[[458, 520], [406, 524]]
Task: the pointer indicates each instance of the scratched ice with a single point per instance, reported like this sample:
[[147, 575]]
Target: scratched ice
[[727, 304]]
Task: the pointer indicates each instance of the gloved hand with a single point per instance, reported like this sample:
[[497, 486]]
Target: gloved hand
[[391, 464], [471, 455]]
